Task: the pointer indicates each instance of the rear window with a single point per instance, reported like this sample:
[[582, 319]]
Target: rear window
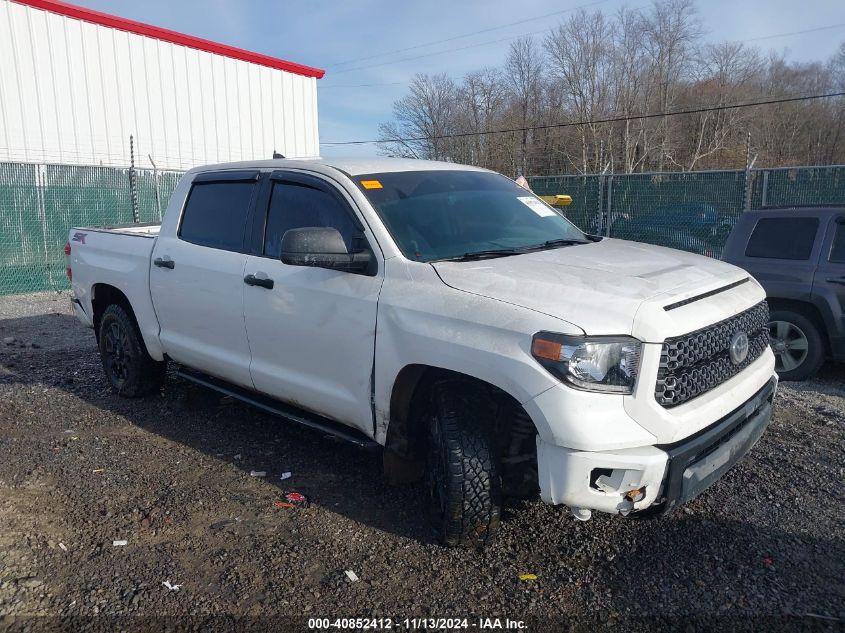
[[783, 238], [215, 214]]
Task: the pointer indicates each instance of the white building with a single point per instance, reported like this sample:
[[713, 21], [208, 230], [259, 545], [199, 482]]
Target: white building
[[75, 84]]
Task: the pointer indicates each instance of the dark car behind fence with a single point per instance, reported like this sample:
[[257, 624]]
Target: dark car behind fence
[[693, 211]]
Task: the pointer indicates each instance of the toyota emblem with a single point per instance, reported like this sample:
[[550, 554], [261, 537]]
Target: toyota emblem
[[739, 347]]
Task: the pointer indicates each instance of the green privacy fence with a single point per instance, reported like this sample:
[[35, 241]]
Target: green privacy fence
[[39, 203], [693, 211]]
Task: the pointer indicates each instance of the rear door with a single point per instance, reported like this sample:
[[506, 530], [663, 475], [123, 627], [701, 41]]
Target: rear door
[[196, 280], [312, 333], [829, 286]]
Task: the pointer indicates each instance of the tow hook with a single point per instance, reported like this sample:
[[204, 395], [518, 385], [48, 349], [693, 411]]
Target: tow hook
[[638, 494], [582, 514]]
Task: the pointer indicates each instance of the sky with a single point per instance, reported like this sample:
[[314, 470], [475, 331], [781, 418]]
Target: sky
[[370, 49]]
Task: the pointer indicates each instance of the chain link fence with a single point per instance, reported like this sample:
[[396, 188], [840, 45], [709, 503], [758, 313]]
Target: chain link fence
[[693, 211], [39, 203]]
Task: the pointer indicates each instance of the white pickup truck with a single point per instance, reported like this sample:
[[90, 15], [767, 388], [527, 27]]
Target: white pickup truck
[[451, 317]]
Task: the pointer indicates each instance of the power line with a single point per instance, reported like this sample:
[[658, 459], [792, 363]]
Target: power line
[[433, 53], [394, 83], [545, 30], [460, 37], [818, 28], [633, 117]]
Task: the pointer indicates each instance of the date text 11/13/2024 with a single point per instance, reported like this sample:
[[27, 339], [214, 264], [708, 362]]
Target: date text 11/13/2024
[[416, 623]]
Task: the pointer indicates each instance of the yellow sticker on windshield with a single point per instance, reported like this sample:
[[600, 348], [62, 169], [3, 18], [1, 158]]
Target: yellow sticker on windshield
[[371, 184]]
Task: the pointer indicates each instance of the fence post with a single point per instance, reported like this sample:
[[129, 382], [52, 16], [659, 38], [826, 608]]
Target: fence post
[[133, 185], [40, 180], [749, 164], [609, 205], [747, 193], [155, 184], [600, 210], [764, 198]]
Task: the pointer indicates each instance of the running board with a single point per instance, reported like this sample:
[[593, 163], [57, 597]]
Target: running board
[[271, 405]]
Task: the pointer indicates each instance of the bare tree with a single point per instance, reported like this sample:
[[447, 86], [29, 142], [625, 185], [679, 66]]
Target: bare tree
[[836, 68], [551, 96], [671, 31], [581, 58], [424, 115], [630, 91], [726, 73], [523, 69], [480, 99]]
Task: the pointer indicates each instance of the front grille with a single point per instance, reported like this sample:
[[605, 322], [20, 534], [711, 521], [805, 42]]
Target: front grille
[[695, 363]]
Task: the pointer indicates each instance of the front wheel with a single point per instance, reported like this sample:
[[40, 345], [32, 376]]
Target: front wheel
[[130, 370], [462, 471], [797, 344]]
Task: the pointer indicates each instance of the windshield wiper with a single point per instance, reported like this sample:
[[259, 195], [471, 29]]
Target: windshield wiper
[[506, 252], [491, 254], [556, 243]]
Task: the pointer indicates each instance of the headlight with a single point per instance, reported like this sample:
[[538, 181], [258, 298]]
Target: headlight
[[599, 363]]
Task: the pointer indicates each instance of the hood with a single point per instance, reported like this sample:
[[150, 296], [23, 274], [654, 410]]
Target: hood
[[597, 287]]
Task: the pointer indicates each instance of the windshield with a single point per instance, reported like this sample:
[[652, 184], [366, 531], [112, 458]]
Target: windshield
[[446, 214]]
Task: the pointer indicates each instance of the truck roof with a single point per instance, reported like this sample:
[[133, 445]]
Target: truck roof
[[351, 166]]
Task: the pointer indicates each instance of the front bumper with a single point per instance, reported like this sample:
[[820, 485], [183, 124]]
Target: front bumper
[[656, 478]]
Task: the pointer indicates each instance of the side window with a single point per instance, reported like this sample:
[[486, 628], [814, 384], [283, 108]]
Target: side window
[[215, 214], [837, 251], [296, 206], [783, 238]]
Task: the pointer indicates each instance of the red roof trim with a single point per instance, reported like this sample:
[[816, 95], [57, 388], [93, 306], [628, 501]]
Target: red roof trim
[[174, 37]]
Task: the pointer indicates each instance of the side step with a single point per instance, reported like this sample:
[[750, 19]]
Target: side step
[[271, 405]]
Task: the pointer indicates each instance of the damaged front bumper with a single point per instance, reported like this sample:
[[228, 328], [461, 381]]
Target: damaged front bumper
[[656, 478]]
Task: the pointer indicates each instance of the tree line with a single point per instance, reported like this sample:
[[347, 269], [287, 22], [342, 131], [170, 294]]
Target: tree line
[[596, 66]]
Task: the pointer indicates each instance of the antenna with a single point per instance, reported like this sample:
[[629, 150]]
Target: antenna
[[277, 155]]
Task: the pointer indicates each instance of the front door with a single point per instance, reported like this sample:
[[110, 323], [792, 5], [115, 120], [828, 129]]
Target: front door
[[829, 281], [196, 278], [312, 333]]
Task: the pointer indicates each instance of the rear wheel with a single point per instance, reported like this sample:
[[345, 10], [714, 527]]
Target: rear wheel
[[130, 370], [462, 471], [797, 344]]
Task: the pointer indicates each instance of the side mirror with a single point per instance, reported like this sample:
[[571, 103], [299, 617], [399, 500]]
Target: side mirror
[[321, 247]]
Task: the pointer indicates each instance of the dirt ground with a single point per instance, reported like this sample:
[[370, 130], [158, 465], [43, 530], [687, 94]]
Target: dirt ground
[[82, 470]]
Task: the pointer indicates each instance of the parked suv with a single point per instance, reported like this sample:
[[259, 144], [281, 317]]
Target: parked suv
[[798, 255]]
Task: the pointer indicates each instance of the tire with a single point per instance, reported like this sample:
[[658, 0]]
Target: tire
[[130, 370], [797, 343], [464, 495]]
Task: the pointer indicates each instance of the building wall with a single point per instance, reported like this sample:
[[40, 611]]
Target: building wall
[[73, 92]]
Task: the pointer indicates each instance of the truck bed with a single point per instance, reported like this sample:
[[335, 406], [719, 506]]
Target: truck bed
[[119, 257]]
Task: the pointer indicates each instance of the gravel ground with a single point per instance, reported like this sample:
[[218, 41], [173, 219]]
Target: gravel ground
[[81, 468]]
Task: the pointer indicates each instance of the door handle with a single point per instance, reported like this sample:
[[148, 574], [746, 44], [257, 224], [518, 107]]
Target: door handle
[[836, 280], [164, 263], [252, 280]]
